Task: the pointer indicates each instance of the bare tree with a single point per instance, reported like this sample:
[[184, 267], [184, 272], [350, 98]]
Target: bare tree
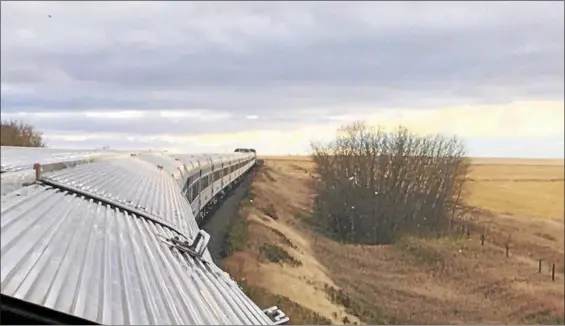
[[15, 133], [375, 185]]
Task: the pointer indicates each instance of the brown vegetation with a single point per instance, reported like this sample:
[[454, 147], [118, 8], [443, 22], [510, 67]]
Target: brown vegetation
[[373, 186], [15, 133], [269, 259], [445, 280], [518, 188]]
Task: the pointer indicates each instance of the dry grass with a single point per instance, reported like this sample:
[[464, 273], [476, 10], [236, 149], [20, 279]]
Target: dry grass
[[416, 281], [528, 199], [273, 259], [272, 158], [523, 187], [443, 281], [516, 161], [474, 160], [533, 190]]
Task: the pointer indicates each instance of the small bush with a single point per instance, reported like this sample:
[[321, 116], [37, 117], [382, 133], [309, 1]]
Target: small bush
[[270, 211], [276, 254], [368, 315], [420, 251], [237, 238], [284, 239]]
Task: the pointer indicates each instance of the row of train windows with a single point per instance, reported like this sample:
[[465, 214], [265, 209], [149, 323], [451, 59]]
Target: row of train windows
[[217, 174], [207, 180]]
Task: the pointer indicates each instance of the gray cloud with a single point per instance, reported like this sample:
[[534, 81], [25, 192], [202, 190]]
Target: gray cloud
[[276, 59], [153, 124]]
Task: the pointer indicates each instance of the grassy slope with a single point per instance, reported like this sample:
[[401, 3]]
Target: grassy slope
[[317, 280]]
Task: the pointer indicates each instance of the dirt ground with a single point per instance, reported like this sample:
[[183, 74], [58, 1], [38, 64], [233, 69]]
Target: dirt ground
[[281, 259]]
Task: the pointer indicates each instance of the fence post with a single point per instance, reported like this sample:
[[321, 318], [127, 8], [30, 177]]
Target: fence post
[[539, 266], [482, 239], [507, 249], [553, 272]]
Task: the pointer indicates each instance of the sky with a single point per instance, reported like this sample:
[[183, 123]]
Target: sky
[[213, 76]]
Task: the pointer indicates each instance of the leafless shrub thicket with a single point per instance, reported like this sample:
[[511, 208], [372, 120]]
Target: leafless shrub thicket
[[373, 186], [14, 133]]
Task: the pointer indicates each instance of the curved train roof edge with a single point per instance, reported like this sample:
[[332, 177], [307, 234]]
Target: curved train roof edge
[[96, 240]]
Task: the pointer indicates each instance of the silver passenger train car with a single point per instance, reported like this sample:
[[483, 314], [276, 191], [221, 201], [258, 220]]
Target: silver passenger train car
[[209, 176], [105, 237]]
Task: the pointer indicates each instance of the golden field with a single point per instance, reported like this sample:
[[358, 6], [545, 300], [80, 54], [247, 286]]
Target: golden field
[[529, 190], [528, 187], [282, 261]]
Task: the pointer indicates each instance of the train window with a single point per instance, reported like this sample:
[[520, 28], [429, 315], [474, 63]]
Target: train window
[[194, 192], [193, 178]]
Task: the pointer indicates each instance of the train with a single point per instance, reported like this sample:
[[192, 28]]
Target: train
[[210, 176], [112, 237]]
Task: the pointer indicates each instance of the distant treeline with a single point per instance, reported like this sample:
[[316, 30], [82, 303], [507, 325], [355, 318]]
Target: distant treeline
[[15, 133]]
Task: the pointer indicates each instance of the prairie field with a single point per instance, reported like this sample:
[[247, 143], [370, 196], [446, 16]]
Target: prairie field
[[529, 187], [519, 188], [281, 259]]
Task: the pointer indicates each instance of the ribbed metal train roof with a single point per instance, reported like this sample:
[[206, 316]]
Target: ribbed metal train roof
[[175, 168], [23, 158], [17, 162], [93, 261], [64, 249], [135, 183]]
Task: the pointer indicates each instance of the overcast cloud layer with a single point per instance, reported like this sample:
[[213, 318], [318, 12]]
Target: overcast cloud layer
[[198, 76]]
